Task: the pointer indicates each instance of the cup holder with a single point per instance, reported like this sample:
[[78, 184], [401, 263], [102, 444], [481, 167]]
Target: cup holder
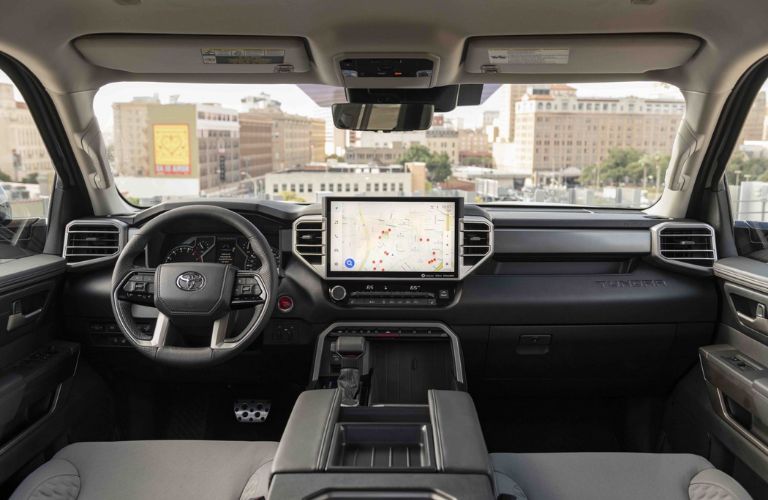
[[382, 446]]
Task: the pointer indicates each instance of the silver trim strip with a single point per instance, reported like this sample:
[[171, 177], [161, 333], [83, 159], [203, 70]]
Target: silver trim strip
[[744, 271], [122, 239], [656, 244], [455, 344], [463, 271]]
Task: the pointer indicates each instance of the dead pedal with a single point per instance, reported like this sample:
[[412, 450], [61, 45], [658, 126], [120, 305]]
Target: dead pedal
[[252, 411]]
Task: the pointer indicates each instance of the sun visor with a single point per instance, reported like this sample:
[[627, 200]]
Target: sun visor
[[195, 54], [589, 54]]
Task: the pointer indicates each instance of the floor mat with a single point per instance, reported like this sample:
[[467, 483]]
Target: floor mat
[[533, 425], [204, 411]]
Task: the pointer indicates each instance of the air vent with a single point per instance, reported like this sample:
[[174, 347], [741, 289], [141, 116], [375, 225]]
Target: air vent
[[690, 244], [91, 240], [475, 241], [309, 240]]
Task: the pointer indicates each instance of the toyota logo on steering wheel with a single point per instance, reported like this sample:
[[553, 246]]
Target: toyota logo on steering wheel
[[190, 281]]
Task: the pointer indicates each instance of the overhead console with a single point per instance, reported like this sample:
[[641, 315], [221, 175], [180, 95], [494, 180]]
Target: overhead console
[[392, 251], [377, 71]]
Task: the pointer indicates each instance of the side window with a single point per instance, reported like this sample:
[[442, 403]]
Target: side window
[[26, 177]]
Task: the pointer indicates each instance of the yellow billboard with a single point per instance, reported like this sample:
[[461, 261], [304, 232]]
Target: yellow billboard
[[172, 155]]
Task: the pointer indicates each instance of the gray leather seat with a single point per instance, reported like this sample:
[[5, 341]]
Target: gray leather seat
[[614, 476], [183, 470]]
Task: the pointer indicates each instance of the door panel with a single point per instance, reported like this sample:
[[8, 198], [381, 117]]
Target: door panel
[[35, 369], [735, 368]]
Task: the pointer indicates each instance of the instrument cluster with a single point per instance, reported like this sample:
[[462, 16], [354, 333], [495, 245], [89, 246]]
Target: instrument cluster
[[224, 249]]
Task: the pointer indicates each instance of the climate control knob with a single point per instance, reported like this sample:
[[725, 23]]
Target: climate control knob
[[338, 293]]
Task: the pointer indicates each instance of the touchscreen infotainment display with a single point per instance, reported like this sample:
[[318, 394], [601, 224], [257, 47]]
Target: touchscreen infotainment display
[[393, 237]]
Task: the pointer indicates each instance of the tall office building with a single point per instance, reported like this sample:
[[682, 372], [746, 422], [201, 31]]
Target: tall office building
[[218, 139], [255, 143], [22, 151], [444, 141], [317, 139], [555, 129], [510, 96]]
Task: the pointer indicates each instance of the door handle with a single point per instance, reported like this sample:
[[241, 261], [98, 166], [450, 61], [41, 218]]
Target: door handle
[[17, 319], [759, 322]]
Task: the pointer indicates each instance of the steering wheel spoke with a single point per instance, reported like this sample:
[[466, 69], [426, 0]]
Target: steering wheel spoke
[[138, 287], [248, 290]]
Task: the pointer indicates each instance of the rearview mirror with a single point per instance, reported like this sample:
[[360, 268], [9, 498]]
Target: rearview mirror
[[383, 117]]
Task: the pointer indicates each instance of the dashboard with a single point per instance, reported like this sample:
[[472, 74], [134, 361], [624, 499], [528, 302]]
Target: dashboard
[[536, 289]]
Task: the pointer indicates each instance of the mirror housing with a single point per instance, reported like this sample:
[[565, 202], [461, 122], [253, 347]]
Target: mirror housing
[[383, 117]]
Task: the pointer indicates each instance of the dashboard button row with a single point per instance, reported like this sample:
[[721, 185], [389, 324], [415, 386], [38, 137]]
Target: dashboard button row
[[392, 302]]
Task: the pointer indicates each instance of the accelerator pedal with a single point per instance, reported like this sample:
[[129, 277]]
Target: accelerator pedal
[[252, 411]]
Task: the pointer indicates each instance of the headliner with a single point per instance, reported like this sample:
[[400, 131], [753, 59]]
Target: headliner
[[40, 33]]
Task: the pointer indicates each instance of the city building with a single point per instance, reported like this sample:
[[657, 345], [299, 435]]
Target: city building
[[218, 139], [387, 139], [510, 95], [340, 141], [755, 121], [314, 181], [22, 151], [291, 146], [490, 118], [418, 170], [317, 139], [555, 130], [444, 141], [177, 142], [474, 148], [261, 101], [255, 143], [375, 155]]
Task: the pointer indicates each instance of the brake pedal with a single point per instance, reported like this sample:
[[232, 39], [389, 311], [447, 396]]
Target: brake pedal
[[252, 411]]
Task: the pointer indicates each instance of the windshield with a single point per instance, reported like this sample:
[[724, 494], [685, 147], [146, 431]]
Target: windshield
[[597, 144]]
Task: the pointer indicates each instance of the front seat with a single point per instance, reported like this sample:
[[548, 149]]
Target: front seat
[[171, 470], [613, 476]]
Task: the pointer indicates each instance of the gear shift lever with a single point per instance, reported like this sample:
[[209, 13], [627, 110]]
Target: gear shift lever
[[350, 350]]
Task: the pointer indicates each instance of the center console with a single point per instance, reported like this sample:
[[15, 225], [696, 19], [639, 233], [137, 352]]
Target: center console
[[386, 363], [434, 451], [387, 416]]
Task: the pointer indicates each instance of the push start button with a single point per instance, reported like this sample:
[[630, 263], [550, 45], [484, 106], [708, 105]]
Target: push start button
[[285, 303]]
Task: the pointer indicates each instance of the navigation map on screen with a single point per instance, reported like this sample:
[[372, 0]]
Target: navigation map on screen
[[392, 237]]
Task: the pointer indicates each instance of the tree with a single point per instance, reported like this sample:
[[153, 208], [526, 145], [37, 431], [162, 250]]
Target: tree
[[622, 167], [741, 167], [31, 178], [4, 177], [438, 166], [417, 152]]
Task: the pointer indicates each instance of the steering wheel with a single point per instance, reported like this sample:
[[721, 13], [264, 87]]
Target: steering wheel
[[193, 294]]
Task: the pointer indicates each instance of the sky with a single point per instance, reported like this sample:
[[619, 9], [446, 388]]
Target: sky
[[294, 100]]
